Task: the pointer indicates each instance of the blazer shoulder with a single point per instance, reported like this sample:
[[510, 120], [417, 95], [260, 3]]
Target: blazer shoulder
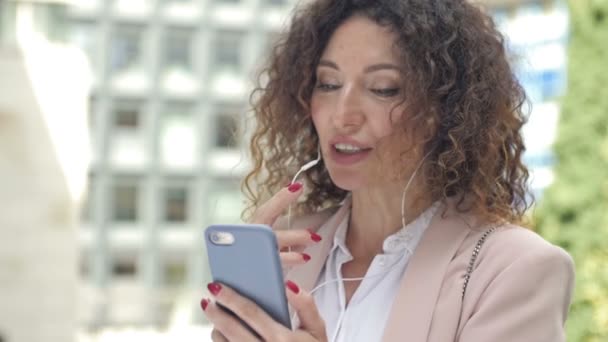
[[514, 240], [510, 244]]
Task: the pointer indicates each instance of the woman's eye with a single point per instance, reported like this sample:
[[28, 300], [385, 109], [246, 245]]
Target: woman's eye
[[386, 92], [327, 86]]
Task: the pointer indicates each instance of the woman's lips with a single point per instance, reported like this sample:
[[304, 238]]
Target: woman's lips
[[350, 158]]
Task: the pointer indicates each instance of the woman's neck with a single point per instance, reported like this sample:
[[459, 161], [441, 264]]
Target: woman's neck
[[376, 214]]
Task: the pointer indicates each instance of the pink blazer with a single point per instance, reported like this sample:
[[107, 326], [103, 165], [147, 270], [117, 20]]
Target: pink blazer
[[519, 291]]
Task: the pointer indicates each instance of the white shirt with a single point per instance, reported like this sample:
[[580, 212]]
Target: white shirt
[[368, 310]]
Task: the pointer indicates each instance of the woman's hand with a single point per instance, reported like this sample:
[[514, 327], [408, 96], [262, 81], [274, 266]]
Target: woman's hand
[[228, 328], [286, 239]]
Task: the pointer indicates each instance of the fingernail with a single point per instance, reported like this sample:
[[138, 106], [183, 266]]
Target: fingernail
[[292, 286], [314, 236], [214, 288], [294, 187], [306, 257], [204, 303]]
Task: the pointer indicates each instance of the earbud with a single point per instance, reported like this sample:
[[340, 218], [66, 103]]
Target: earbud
[[308, 165]]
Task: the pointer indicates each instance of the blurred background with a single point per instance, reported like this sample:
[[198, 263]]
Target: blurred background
[[118, 146]]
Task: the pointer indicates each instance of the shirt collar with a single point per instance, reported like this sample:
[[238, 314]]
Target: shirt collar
[[406, 239]]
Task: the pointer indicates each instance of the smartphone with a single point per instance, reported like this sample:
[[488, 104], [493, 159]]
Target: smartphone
[[246, 258]]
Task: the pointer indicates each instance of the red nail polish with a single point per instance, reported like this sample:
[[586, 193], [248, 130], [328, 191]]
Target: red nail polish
[[306, 257], [214, 288], [314, 236], [204, 303], [292, 286], [294, 187]]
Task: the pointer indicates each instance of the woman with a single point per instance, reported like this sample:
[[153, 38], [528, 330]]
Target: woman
[[407, 229]]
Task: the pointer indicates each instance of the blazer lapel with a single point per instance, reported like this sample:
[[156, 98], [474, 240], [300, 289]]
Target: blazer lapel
[[412, 310]]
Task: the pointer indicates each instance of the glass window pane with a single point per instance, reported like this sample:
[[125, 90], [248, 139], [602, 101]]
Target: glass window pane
[[178, 140], [124, 268], [127, 136], [228, 51], [226, 127], [178, 62], [126, 49], [125, 201], [176, 203], [174, 273], [178, 47], [127, 114]]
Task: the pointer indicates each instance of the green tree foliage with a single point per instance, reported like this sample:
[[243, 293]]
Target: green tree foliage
[[573, 212]]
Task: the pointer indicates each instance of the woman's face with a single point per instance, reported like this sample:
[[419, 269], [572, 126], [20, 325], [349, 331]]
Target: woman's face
[[353, 105]]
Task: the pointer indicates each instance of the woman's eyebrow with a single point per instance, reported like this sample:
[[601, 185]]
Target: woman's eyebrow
[[382, 66], [328, 64], [371, 68]]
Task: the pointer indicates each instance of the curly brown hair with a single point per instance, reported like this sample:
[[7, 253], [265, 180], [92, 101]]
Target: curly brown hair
[[458, 87]]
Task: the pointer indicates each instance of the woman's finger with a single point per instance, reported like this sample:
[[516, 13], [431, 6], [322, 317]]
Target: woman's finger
[[268, 212], [226, 325], [217, 336], [293, 258], [304, 305], [296, 237], [248, 311]]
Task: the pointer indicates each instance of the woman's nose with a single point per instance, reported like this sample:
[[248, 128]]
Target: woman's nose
[[348, 114]]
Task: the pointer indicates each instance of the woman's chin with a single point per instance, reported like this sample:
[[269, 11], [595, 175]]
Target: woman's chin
[[348, 182]]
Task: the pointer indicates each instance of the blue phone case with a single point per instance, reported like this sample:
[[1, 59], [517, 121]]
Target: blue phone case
[[250, 265]]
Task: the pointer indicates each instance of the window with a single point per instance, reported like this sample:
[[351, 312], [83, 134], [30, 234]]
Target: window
[[124, 268], [125, 201], [228, 51], [127, 139], [126, 48], [176, 203], [127, 114], [178, 140], [174, 273], [226, 129], [178, 50]]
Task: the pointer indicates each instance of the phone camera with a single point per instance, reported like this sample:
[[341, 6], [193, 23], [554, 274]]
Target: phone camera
[[221, 238], [215, 237]]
